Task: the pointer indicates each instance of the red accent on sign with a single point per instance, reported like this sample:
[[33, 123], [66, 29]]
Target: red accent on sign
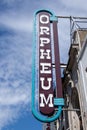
[[46, 96]]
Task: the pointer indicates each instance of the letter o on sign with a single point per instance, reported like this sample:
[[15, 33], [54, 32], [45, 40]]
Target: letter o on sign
[[44, 19]]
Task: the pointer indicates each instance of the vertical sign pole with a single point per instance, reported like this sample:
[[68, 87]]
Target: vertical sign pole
[[57, 61]]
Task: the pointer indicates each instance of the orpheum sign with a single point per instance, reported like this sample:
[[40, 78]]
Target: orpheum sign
[[46, 95], [45, 40]]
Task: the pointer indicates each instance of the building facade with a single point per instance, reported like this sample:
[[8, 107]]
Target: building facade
[[74, 84]]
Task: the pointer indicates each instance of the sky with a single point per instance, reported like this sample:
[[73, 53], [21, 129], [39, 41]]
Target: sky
[[16, 39]]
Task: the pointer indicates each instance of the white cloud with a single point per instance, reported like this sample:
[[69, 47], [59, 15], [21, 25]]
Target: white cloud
[[21, 24], [12, 101], [11, 96], [75, 7], [75, 4], [10, 2], [15, 76], [15, 95], [8, 115]]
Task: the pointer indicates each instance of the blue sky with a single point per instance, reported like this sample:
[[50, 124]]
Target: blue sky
[[16, 38]]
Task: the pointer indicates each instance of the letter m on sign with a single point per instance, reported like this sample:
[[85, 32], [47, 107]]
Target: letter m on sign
[[46, 102]]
